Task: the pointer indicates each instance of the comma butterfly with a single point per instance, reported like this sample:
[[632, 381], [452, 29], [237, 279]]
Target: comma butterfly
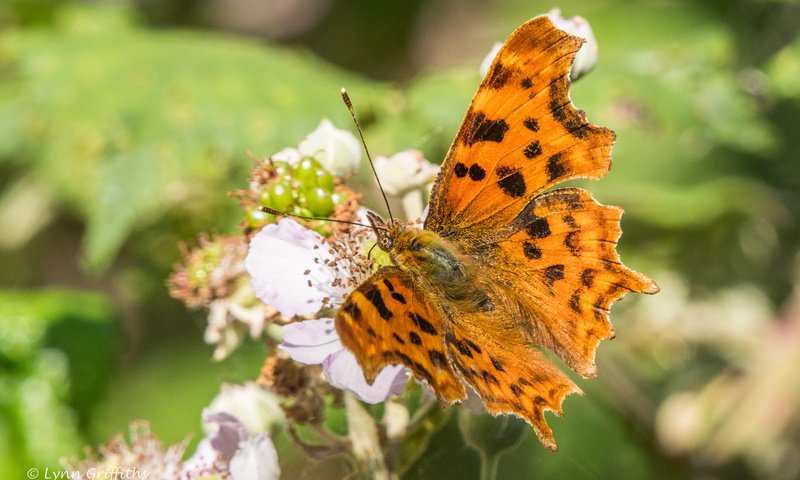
[[503, 264]]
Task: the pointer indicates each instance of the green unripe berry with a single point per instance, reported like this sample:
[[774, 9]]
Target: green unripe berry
[[319, 201], [305, 172], [281, 168], [281, 195], [324, 180], [255, 217]]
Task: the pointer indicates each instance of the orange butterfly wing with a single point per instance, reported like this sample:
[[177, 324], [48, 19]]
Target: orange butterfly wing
[[564, 265], [520, 136], [492, 355], [388, 321]]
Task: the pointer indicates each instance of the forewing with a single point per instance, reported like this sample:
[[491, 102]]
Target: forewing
[[565, 264], [520, 136], [387, 321], [509, 376]]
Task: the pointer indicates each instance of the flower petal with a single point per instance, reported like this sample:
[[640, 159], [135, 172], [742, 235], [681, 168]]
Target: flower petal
[[586, 58], [278, 257], [227, 431], [342, 371], [258, 408], [337, 150], [404, 171], [256, 459], [310, 341]]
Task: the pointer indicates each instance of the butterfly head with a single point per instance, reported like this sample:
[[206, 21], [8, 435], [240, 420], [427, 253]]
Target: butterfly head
[[387, 232]]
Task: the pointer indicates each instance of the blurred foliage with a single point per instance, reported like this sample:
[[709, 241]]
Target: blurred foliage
[[57, 354], [148, 122], [127, 137]]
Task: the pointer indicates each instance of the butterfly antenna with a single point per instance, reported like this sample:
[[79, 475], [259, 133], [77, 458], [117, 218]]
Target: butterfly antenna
[[349, 104], [272, 211]]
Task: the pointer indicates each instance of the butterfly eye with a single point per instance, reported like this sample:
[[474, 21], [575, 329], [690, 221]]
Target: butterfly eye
[[386, 243]]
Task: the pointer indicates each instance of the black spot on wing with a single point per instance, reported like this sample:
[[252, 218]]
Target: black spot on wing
[[498, 76], [423, 324], [531, 124], [476, 173], [538, 228], [438, 358], [399, 297], [531, 251], [399, 340], [587, 277], [498, 365], [388, 284], [478, 128], [554, 272], [460, 170], [488, 377], [516, 389], [526, 83], [512, 182], [472, 345], [414, 338], [419, 369], [570, 243], [575, 302], [352, 309], [555, 169], [533, 150], [405, 358], [462, 347], [372, 294]]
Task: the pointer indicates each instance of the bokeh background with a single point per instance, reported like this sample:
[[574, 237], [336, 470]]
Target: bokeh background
[[124, 124]]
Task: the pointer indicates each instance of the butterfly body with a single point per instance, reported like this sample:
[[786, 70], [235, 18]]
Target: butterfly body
[[505, 267], [435, 263]]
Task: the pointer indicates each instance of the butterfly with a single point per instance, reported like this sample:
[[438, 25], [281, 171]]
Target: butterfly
[[504, 266]]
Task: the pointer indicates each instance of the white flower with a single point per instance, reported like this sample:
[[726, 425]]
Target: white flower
[[256, 459], [278, 258], [404, 171], [230, 448], [258, 409], [292, 156], [586, 58], [336, 150]]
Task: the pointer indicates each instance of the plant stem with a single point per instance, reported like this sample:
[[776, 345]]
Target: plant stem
[[489, 463]]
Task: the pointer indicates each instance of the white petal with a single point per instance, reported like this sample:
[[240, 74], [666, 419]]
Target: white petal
[[586, 57], [201, 462], [255, 407], [278, 257], [489, 58], [337, 150], [289, 155], [342, 371], [255, 460], [310, 341], [404, 170], [225, 431]]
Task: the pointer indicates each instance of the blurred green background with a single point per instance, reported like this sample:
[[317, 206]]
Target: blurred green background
[[123, 125]]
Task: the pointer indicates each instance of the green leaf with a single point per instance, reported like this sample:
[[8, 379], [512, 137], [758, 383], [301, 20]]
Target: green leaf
[[128, 123]]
